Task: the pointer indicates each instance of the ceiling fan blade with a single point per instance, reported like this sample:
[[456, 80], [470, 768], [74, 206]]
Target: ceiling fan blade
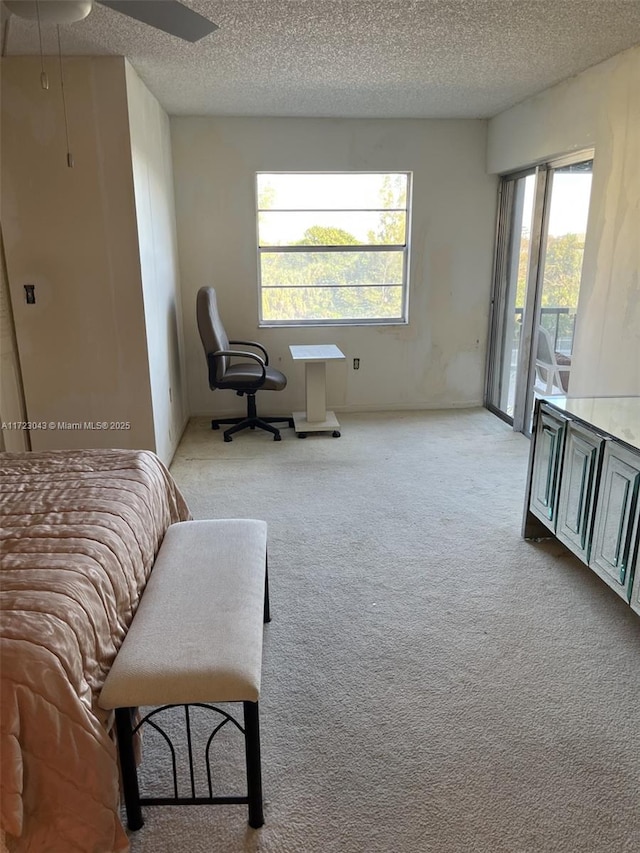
[[168, 15]]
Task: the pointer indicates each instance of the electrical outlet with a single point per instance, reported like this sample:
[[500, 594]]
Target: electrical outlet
[[356, 364]]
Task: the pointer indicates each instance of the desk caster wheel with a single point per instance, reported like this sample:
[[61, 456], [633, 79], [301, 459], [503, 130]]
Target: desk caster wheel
[[277, 437], [302, 435], [228, 438], [335, 433]]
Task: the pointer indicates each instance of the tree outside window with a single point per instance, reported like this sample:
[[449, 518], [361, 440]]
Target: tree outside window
[[333, 247]]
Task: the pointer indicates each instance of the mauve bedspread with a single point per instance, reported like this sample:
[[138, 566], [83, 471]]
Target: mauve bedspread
[[79, 531]]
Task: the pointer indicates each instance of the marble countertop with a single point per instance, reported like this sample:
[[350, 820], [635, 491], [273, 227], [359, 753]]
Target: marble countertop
[[617, 416]]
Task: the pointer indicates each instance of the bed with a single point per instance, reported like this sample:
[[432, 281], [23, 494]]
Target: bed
[[79, 531]]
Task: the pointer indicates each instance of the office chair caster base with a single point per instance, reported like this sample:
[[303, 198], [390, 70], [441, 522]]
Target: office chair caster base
[[336, 433], [215, 425], [228, 438], [302, 435], [277, 437]]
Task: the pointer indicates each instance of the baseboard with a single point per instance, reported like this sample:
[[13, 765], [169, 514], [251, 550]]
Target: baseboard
[[356, 409], [409, 407]]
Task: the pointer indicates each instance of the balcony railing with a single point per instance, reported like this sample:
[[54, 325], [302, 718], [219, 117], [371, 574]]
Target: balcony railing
[[560, 322]]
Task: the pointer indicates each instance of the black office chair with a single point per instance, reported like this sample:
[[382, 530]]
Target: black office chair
[[246, 377]]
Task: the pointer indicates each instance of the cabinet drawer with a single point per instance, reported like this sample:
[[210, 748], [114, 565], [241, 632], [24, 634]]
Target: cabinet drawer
[[614, 551], [580, 471]]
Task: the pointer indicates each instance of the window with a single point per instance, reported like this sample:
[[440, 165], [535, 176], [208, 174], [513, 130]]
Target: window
[[333, 247]]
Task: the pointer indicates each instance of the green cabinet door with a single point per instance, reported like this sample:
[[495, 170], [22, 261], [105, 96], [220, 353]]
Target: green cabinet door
[[545, 474], [580, 470], [614, 552]]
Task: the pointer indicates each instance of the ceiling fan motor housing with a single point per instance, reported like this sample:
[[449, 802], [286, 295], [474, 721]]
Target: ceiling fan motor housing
[[50, 11], [170, 16]]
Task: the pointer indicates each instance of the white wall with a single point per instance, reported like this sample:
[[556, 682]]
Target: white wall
[[155, 214], [72, 233], [436, 360], [599, 108], [11, 398]]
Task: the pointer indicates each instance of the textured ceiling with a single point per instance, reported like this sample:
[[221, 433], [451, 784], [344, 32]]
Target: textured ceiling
[[359, 58]]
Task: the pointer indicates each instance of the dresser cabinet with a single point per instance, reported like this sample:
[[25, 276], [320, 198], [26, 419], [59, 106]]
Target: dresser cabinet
[[584, 485]]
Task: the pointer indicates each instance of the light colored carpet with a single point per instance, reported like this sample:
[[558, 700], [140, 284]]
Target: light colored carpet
[[431, 682]]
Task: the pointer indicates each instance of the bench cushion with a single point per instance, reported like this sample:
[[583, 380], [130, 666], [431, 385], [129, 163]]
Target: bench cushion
[[197, 633]]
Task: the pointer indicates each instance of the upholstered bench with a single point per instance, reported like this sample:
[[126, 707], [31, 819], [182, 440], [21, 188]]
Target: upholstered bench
[[196, 639]]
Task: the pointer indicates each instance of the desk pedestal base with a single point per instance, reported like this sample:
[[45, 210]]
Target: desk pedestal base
[[301, 424]]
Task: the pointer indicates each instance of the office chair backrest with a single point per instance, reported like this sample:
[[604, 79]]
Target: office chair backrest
[[212, 333]]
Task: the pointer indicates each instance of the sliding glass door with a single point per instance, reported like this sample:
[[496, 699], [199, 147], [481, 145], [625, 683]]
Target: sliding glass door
[[563, 250], [541, 232], [516, 217]]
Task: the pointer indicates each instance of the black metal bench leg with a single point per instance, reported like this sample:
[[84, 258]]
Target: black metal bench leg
[[254, 772], [267, 608], [124, 719]]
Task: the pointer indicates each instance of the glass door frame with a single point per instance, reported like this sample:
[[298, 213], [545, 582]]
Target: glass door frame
[[505, 238]]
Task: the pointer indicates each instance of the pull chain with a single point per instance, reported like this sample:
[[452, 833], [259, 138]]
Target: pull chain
[[64, 103], [44, 80]]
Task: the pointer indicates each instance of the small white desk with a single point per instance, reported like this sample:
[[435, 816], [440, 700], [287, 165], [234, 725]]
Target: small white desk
[[316, 418]]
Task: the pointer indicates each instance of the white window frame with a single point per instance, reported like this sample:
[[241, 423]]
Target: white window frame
[[403, 318]]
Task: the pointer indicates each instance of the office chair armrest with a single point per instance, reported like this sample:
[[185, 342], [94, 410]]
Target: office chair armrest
[[265, 354], [235, 353]]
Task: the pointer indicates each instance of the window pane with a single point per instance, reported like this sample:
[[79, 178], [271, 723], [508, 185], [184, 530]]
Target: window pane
[[331, 268], [567, 229], [321, 191], [331, 303], [333, 246], [516, 277], [331, 228]]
